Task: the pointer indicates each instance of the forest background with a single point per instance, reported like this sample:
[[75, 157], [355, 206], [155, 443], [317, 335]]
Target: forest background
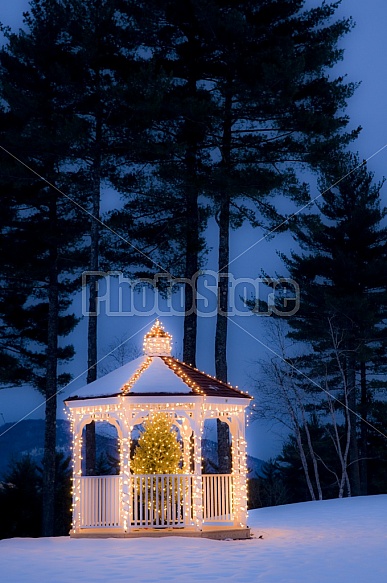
[[245, 336]]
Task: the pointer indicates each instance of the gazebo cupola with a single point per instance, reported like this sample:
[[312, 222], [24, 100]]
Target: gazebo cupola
[[211, 504], [157, 342]]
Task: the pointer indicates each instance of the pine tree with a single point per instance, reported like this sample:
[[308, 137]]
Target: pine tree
[[158, 451], [343, 303], [21, 500], [248, 101], [277, 110], [164, 215], [43, 230], [95, 34]]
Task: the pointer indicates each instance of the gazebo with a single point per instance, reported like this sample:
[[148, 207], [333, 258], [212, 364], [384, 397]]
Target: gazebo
[[189, 503]]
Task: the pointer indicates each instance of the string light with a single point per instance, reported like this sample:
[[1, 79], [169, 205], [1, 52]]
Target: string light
[[188, 415], [134, 378], [157, 342]]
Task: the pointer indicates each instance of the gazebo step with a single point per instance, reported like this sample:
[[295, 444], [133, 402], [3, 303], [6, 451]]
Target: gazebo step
[[221, 533]]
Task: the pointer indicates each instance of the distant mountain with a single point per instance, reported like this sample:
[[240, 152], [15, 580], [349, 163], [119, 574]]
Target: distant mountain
[[27, 438], [210, 453]]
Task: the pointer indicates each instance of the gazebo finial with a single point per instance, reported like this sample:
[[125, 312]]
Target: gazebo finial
[[157, 342]]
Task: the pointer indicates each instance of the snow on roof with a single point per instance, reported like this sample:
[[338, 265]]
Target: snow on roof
[[111, 383], [156, 378], [159, 378], [156, 373]]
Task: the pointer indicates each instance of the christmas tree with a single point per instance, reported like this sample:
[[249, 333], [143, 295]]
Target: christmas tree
[[158, 451]]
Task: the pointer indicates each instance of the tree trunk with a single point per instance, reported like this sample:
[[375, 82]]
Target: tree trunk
[[304, 460], [310, 448], [224, 251], [343, 452], [51, 385], [191, 272], [93, 297], [224, 457], [363, 431], [192, 231], [221, 320], [297, 432], [224, 447], [353, 469]]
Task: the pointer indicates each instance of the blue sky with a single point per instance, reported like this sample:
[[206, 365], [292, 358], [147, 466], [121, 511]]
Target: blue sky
[[364, 60]]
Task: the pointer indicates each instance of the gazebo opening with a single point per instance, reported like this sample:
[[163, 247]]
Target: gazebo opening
[[106, 456], [216, 457]]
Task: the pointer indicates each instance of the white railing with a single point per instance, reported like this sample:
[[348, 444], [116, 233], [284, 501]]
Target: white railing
[[99, 501], [217, 498], [155, 500], [161, 500]]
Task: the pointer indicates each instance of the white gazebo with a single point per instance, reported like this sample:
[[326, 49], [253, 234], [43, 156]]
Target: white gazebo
[[189, 503]]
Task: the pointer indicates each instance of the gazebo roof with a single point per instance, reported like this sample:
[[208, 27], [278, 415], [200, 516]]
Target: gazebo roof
[[155, 374]]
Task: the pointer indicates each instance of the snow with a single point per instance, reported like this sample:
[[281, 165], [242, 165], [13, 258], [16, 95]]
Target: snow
[[111, 383], [157, 378], [333, 541]]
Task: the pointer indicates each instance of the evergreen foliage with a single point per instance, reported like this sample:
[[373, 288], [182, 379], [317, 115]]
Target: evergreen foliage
[[158, 450], [343, 303], [167, 102], [269, 488], [21, 501], [43, 228], [21, 498]]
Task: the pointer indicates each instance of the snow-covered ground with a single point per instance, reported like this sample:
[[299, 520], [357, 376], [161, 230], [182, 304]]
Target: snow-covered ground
[[335, 541]]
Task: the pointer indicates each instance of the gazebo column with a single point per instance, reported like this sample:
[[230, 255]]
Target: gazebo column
[[197, 479], [77, 427], [186, 433], [239, 470], [125, 482]]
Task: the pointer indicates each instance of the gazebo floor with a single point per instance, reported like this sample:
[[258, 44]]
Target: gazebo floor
[[216, 533]]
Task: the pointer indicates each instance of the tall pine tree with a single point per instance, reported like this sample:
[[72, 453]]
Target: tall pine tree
[[343, 303], [43, 228]]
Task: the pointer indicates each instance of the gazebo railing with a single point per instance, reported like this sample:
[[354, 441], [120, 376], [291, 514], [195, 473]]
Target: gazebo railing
[[99, 501], [155, 500], [161, 500], [217, 498]]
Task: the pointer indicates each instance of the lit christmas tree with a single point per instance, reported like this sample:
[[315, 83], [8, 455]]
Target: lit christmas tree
[[158, 451]]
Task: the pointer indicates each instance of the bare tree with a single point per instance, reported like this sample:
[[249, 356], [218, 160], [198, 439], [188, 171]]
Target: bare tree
[[119, 352], [287, 395], [283, 400], [341, 449]]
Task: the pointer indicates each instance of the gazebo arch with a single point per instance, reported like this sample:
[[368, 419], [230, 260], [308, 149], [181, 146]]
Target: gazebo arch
[[191, 504]]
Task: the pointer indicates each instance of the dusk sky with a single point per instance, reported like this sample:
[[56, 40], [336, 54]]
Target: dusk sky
[[365, 61]]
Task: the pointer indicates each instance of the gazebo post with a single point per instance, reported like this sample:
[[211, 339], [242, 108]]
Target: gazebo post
[[186, 432], [198, 482], [125, 480], [77, 426], [239, 470]]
